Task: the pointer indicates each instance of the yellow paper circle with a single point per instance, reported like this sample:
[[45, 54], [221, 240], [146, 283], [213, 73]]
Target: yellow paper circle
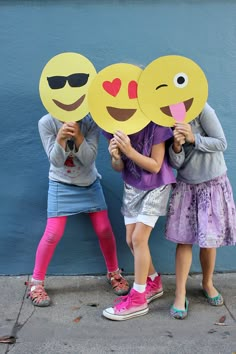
[[64, 84], [172, 89], [112, 99]]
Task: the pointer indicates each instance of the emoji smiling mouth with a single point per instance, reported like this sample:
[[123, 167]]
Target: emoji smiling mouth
[[177, 111], [120, 114], [70, 107]]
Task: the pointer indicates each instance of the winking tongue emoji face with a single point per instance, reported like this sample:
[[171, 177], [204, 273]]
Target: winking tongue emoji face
[[112, 99], [64, 84], [172, 89]]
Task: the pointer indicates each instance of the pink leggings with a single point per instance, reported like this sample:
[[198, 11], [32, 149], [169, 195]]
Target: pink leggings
[[54, 231]]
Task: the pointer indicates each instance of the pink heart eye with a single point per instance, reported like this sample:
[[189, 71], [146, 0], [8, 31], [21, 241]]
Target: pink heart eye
[[132, 89], [112, 87]]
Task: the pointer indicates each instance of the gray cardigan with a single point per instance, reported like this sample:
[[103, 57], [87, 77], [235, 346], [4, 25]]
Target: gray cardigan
[[82, 171], [204, 160]]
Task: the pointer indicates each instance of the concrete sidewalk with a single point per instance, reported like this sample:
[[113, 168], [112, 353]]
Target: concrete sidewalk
[[74, 323]]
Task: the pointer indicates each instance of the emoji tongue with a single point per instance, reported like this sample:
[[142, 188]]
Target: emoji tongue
[[178, 111]]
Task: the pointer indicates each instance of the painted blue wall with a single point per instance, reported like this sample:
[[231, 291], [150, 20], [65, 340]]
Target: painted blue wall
[[31, 32]]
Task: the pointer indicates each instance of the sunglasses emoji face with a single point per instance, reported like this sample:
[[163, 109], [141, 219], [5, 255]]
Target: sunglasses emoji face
[[113, 101], [64, 84], [172, 89]]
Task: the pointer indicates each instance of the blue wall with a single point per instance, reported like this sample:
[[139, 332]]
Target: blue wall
[[31, 32]]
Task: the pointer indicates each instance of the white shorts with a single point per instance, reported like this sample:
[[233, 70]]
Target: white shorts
[[149, 220]]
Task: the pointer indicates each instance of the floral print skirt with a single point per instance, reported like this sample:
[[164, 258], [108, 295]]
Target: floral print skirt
[[202, 214]]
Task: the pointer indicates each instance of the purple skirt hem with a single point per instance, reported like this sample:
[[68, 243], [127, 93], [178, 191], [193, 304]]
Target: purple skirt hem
[[202, 214]]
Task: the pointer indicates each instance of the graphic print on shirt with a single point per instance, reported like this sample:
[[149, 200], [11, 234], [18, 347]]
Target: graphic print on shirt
[[71, 168], [69, 162]]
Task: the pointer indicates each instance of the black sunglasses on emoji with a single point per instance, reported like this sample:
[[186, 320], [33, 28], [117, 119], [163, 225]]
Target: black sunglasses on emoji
[[74, 80]]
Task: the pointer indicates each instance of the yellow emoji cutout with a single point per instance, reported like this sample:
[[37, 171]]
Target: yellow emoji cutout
[[64, 84], [172, 89], [112, 99]]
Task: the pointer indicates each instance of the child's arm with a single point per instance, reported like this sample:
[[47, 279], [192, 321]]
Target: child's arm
[[54, 149], [152, 164], [179, 140], [116, 161], [176, 153], [86, 139], [214, 139]]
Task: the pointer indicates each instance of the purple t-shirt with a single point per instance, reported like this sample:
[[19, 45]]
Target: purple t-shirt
[[142, 142]]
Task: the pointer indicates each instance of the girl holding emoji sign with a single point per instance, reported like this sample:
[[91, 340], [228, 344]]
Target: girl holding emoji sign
[[70, 139]]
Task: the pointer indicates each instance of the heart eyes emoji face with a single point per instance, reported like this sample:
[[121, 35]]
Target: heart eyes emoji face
[[117, 107]]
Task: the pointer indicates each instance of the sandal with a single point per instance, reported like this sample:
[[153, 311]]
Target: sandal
[[37, 294], [214, 301], [179, 314], [118, 283]]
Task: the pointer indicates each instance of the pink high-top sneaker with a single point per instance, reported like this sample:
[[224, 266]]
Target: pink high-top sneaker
[[132, 305], [154, 288]]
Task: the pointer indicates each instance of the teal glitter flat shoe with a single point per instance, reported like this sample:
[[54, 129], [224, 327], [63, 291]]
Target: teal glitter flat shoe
[[179, 314], [214, 301]]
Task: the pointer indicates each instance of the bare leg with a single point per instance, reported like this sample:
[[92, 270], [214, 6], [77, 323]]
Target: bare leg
[[152, 269], [129, 231], [182, 267], [142, 257], [207, 260]]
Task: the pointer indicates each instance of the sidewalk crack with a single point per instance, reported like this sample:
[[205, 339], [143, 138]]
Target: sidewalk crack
[[231, 314], [17, 326]]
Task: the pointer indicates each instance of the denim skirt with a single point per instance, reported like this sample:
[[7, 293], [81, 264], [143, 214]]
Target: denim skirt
[[67, 199]]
